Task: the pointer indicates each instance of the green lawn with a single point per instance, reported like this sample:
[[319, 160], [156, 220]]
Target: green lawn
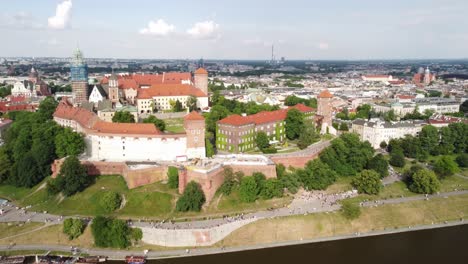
[[175, 125], [232, 204], [150, 200], [343, 184]]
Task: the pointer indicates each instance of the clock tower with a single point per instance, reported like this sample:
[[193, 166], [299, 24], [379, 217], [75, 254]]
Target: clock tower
[[79, 78]]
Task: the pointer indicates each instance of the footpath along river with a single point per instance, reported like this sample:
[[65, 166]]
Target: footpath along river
[[431, 246]]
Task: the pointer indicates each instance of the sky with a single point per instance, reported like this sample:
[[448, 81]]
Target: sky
[[240, 29]]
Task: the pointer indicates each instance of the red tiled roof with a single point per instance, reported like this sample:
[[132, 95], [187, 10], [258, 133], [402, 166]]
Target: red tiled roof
[[263, 117], [325, 94], [376, 76], [201, 71], [405, 96], [125, 128], [171, 90], [7, 107], [89, 120], [137, 80], [194, 115]]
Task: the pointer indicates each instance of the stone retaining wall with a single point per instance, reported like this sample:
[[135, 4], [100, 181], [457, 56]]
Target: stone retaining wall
[[190, 237]]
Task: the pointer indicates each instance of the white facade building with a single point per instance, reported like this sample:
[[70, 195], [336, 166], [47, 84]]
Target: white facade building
[[133, 142], [376, 131]]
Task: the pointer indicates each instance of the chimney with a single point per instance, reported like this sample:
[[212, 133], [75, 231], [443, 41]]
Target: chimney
[[164, 73]]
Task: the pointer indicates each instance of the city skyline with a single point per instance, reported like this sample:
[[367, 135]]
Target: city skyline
[[299, 30]]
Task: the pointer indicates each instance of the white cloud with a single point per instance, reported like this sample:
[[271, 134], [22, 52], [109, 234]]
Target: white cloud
[[323, 46], [158, 28], [62, 16], [204, 30], [20, 20]]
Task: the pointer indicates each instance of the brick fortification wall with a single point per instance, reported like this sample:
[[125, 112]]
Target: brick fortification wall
[[297, 162], [134, 178], [210, 181]]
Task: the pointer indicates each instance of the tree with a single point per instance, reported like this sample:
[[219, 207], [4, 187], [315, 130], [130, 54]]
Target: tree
[[350, 210], [177, 106], [343, 127], [317, 175], [363, 111], [209, 148], [290, 181], [173, 177], [424, 181], [136, 234], [248, 189], [262, 140], [5, 165], [73, 228], [280, 170], [192, 199], [379, 164], [26, 172], [445, 166], [123, 117], [294, 123], [429, 137], [397, 158], [73, 177], [464, 107], [69, 143], [462, 160], [110, 201], [229, 181], [383, 145], [192, 103], [368, 181], [108, 232], [272, 188], [158, 123], [47, 107], [308, 136]]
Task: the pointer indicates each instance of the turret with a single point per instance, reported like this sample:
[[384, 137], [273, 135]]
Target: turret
[[201, 80]]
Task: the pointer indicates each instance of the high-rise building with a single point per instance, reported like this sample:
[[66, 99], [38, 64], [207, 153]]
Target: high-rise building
[[79, 78]]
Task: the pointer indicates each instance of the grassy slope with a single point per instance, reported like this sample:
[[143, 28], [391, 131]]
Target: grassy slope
[[51, 235], [331, 224]]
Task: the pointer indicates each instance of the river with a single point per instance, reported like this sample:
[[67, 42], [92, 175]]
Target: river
[[441, 245]]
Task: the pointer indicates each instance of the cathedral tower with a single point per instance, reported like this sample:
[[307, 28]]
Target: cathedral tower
[[79, 78], [113, 88]]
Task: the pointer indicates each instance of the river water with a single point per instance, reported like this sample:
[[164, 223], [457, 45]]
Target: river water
[[442, 246]]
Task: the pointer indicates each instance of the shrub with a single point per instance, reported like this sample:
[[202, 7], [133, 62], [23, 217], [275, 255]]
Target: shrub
[[248, 189], [108, 232], [350, 210], [192, 199], [368, 181], [424, 181], [272, 188], [73, 228], [270, 150], [462, 160], [445, 166], [110, 201], [173, 177], [397, 159], [379, 164]]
